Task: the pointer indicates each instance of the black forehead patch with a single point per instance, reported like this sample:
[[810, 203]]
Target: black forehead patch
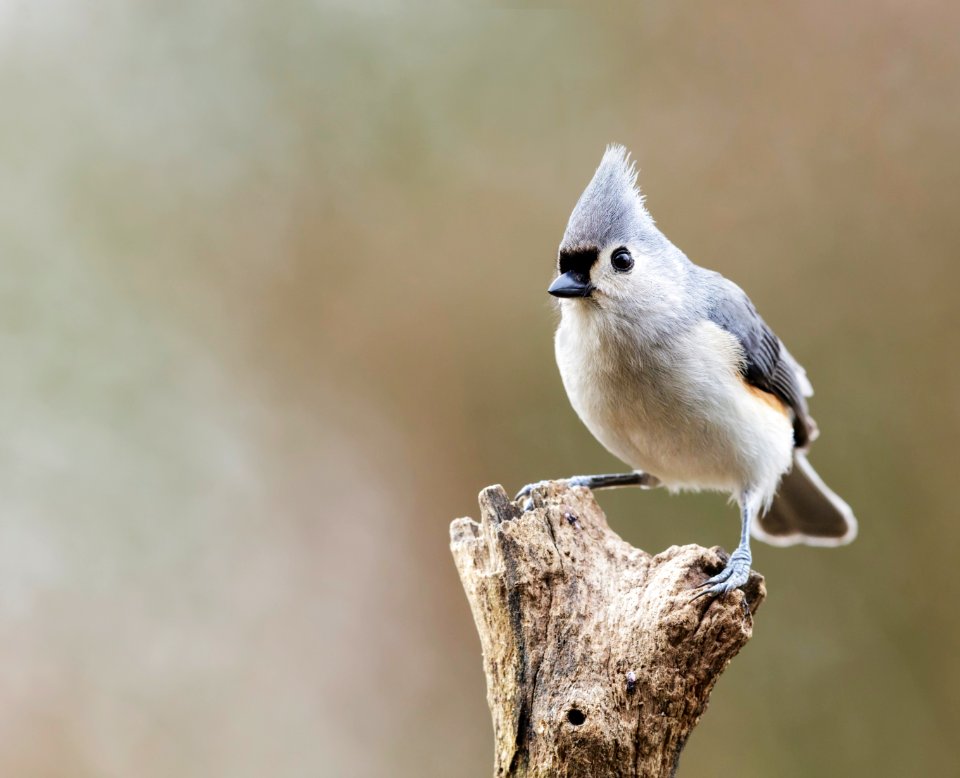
[[577, 260]]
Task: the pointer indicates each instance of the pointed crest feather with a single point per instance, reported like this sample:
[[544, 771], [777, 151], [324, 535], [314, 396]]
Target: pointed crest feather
[[611, 207], [618, 167]]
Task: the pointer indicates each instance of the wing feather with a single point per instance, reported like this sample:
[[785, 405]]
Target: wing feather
[[767, 364]]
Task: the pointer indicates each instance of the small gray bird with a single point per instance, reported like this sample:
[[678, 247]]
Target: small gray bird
[[672, 369]]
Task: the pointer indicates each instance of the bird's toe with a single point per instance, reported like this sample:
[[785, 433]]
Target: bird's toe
[[733, 576], [526, 494]]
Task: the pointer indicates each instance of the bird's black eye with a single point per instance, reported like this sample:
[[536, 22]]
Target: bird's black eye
[[621, 260]]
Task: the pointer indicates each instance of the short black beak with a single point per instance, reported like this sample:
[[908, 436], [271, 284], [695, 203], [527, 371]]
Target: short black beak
[[571, 284]]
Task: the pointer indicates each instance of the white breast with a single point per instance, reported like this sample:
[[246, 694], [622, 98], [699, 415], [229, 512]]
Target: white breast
[[681, 411]]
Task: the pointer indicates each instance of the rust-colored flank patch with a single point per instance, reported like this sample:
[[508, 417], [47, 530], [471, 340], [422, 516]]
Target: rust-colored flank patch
[[770, 399]]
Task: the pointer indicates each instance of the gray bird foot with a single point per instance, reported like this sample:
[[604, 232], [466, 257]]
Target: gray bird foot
[[526, 494], [733, 576]]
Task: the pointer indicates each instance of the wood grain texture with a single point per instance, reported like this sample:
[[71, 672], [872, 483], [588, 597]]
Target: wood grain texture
[[598, 661]]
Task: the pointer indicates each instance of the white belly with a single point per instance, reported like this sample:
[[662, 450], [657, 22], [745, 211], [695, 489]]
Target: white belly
[[682, 414]]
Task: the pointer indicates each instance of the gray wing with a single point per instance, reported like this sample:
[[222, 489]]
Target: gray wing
[[767, 364]]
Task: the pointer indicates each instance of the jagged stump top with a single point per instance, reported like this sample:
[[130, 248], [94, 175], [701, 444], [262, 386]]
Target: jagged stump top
[[598, 660]]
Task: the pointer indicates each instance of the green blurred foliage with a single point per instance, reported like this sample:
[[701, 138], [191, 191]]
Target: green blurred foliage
[[274, 312]]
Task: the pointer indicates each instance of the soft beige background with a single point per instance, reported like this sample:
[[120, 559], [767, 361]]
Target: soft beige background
[[273, 312]]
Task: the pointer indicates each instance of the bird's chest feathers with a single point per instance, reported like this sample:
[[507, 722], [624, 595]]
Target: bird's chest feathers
[[676, 410]]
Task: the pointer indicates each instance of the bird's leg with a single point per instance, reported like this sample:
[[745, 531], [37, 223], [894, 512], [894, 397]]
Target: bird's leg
[[737, 570], [605, 481]]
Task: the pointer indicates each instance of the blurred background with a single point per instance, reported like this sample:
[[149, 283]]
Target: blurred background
[[274, 312]]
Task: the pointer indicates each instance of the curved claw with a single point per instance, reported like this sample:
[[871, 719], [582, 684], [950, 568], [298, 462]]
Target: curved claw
[[526, 494], [527, 490], [734, 575], [704, 593], [717, 589]]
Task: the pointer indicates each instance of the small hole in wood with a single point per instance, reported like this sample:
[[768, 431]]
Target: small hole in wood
[[576, 716]]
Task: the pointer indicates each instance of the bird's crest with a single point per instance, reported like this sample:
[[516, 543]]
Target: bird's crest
[[611, 207]]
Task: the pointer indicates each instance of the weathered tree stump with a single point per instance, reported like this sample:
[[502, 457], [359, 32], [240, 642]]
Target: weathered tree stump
[[599, 661]]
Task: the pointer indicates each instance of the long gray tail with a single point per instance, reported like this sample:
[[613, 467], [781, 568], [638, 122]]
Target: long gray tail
[[806, 510]]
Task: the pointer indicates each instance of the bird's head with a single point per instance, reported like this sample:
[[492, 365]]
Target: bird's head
[[612, 254]]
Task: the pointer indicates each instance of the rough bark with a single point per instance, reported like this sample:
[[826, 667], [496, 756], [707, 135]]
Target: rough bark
[[599, 661]]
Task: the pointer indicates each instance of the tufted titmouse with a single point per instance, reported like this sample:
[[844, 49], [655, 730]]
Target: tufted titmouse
[[672, 369]]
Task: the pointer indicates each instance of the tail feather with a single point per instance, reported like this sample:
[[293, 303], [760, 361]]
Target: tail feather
[[806, 510]]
